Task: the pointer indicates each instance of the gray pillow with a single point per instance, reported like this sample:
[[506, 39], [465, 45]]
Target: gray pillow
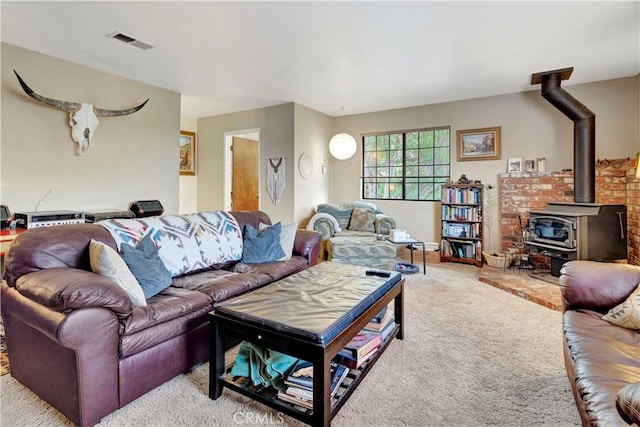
[[259, 247], [147, 267]]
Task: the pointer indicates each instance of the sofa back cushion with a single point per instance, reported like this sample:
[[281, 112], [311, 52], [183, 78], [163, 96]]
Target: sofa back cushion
[[185, 243]]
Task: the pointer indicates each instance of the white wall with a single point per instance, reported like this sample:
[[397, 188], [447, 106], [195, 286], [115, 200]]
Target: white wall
[[312, 135], [531, 128], [133, 157]]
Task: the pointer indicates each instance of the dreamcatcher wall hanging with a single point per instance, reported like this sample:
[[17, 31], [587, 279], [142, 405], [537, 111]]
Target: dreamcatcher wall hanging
[[276, 178]]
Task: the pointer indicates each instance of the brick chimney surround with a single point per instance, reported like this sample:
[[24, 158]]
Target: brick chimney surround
[[615, 184]]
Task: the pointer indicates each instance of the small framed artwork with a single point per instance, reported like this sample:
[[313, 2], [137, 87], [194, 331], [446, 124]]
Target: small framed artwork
[[529, 165], [187, 153], [514, 165], [479, 144]]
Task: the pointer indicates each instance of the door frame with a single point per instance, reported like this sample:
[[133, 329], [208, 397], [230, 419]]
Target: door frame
[[228, 167]]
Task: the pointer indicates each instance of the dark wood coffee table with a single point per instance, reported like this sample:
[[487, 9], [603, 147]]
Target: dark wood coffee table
[[311, 315]]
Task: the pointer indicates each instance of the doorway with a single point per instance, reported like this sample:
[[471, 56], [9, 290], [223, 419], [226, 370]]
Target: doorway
[[242, 170]]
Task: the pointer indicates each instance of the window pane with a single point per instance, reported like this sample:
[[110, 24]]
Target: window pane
[[383, 158], [369, 143], [442, 155], [395, 190], [426, 139], [412, 140], [412, 157], [412, 171], [396, 171], [382, 142], [441, 138], [426, 156], [369, 172], [396, 141], [396, 158], [382, 190]]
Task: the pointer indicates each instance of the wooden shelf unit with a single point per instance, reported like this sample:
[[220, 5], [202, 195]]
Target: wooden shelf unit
[[462, 223]]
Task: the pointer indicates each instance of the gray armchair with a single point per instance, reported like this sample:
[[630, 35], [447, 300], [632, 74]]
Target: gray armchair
[[337, 218]]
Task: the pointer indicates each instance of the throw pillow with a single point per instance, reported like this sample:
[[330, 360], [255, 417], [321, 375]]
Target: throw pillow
[[342, 214], [107, 262], [147, 267], [287, 238], [362, 220], [628, 400], [627, 313], [259, 247]]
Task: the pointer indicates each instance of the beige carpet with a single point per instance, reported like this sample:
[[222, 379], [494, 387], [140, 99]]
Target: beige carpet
[[473, 355]]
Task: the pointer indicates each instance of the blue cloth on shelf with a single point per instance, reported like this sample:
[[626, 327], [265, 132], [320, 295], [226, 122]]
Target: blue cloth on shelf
[[263, 366]]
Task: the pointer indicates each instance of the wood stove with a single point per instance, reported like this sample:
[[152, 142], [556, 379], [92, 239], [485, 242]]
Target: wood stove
[[588, 231]]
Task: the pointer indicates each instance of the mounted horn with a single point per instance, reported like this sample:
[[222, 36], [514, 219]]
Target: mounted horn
[[100, 112], [83, 117], [62, 105]]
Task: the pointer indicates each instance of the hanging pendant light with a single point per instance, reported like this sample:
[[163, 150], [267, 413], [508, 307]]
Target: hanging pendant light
[[342, 146]]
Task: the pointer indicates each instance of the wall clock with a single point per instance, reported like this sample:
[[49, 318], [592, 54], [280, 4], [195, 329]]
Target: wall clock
[[305, 165]]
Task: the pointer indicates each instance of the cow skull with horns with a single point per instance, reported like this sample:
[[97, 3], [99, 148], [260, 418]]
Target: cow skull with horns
[[83, 117]]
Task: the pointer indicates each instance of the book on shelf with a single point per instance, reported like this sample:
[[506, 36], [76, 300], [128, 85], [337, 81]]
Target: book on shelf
[[301, 375], [303, 396], [379, 326], [349, 360], [363, 343], [299, 401], [380, 316]]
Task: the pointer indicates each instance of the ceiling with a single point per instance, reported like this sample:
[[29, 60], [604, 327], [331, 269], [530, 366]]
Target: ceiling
[[364, 56]]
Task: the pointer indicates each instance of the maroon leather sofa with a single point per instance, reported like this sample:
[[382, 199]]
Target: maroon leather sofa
[[74, 338], [600, 358]]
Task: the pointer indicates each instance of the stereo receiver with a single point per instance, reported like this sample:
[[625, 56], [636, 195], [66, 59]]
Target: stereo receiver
[[47, 218]]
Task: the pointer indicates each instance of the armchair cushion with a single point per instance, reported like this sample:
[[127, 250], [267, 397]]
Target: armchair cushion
[[362, 220]]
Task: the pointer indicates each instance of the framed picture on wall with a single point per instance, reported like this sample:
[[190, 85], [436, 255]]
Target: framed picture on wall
[[187, 153], [479, 144]]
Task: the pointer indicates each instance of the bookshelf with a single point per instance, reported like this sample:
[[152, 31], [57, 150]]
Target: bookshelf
[[462, 223]]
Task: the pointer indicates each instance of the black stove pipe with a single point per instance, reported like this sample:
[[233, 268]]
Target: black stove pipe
[[584, 131]]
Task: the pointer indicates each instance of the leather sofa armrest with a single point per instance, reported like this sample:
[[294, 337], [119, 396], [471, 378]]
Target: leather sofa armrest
[[67, 289], [596, 285], [307, 245], [384, 224], [87, 389]]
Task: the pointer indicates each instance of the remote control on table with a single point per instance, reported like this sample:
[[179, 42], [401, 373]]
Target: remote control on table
[[378, 273]]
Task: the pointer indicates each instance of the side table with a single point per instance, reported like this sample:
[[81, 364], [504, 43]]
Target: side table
[[411, 241]]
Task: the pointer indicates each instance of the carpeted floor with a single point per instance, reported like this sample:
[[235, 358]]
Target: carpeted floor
[[473, 355]]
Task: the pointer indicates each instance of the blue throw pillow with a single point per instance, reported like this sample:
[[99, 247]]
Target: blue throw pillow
[[262, 246], [146, 266]]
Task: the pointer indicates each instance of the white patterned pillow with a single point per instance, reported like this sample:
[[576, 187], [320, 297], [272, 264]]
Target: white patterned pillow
[[106, 262], [185, 242], [627, 313]]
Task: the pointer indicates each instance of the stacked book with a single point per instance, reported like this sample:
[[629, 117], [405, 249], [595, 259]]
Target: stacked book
[[364, 345], [298, 388]]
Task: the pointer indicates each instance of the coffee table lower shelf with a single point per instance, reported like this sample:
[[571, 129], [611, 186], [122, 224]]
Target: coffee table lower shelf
[[269, 395]]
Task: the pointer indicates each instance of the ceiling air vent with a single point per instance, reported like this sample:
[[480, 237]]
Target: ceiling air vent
[[129, 40]]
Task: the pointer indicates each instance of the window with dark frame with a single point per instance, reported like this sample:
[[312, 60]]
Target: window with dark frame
[[406, 165]]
